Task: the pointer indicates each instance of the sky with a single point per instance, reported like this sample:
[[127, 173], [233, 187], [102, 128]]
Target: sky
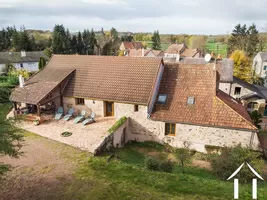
[[167, 16]]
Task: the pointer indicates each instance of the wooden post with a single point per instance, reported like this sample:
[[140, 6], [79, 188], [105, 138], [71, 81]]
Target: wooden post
[[38, 110], [15, 106], [61, 97]]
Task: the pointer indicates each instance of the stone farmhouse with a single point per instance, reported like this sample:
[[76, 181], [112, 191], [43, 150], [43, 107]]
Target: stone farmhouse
[[21, 60], [170, 103]]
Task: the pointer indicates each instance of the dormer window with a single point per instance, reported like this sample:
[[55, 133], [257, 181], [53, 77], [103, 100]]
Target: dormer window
[[162, 98], [191, 100]]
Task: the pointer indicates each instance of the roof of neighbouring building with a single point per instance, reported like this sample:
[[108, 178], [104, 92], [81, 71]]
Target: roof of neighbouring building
[[224, 67], [15, 57], [190, 53], [132, 45], [40, 85], [263, 56], [114, 78], [176, 48], [258, 90], [210, 108], [137, 52]]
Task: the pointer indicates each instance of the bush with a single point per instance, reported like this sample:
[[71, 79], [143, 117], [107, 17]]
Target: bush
[[166, 166], [256, 118], [152, 164], [184, 155], [231, 158]]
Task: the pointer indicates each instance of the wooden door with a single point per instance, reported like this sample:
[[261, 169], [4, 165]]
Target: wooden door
[[109, 109]]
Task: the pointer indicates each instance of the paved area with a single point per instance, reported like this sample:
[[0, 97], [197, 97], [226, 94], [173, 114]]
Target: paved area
[[87, 137]]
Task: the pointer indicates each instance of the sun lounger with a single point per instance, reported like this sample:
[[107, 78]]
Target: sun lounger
[[69, 115], [59, 113], [80, 117], [90, 119]]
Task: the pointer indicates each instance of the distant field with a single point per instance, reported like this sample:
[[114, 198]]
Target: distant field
[[164, 46], [212, 47]]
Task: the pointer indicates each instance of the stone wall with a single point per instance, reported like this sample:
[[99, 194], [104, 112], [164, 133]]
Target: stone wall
[[89, 106], [116, 139], [141, 129]]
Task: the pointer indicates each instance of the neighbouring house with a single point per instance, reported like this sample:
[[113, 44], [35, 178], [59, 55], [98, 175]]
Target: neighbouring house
[[169, 103], [260, 64], [179, 51], [21, 60], [144, 53], [252, 96], [131, 45]]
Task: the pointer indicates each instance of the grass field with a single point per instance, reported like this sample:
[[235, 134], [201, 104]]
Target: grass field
[[212, 47]]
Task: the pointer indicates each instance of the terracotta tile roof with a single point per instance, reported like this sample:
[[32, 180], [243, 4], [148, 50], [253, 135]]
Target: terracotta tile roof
[[194, 53], [224, 67], [158, 52], [137, 52], [40, 85], [115, 78], [176, 48], [133, 45], [209, 108]]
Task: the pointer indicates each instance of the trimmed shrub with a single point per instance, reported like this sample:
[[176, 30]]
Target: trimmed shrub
[[231, 158], [152, 164], [166, 166]]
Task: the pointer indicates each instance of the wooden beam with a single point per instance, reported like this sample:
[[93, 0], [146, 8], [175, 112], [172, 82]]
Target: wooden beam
[[38, 110]]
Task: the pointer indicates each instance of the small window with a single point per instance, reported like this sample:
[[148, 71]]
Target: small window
[[237, 90], [79, 101], [265, 67], [170, 129], [136, 108], [253, 106], [162, 98], [21, 65], [191, 100]]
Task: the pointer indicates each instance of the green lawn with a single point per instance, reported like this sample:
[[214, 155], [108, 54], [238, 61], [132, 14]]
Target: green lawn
[[222, 48], [125, 177]]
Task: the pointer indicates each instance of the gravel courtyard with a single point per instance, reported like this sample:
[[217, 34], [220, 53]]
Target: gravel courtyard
[[87, 137]]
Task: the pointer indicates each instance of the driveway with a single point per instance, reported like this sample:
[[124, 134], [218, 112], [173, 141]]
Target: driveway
[[87, 137]]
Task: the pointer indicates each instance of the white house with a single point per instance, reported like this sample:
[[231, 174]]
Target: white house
[[260, 64], [21, 60]]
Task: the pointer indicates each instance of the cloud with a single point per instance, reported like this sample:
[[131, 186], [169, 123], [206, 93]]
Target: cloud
[[175, 16]]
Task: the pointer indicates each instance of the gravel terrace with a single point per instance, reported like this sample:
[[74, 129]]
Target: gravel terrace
[[87, 137]]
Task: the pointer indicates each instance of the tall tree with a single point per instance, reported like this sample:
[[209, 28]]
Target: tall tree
[[242, 67], [59, 40], [156, 45], [92, 43], [73, 45], [80, 44], [245, 39], [21, 40]]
